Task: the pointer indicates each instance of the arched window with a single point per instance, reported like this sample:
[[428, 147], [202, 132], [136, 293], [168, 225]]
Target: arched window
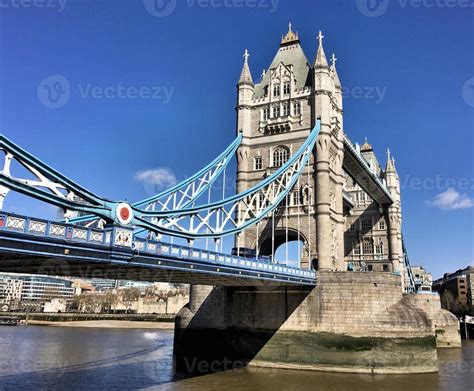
[[306, 195], [367, 246], [356, 247], [280, 156], [382, 224], [379, 248]]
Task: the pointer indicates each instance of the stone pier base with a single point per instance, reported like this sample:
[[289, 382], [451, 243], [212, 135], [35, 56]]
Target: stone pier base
[[350, 322]]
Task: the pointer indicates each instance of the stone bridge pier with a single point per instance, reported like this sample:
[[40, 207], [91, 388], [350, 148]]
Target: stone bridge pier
[[349, 322]]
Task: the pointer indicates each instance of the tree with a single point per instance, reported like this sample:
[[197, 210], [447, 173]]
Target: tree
[[130, 295]]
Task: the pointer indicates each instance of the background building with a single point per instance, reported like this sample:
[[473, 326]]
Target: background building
[[423, 279], [25, 291], [456, 290]]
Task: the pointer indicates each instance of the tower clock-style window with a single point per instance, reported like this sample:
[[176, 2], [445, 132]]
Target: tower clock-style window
[[258, 163], [276, 111], [286, 88], [276, 89], [280, 156]]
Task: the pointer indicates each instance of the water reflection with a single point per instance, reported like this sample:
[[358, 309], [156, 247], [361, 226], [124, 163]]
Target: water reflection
[[57, 358]]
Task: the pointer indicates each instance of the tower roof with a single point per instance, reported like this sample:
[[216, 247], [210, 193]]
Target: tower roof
[[366, 147], [289, 53], [290, 37], [320, 60], [245, 75]]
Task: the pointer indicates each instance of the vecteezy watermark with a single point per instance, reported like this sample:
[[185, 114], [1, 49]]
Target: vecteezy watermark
[[468, 92], [376, 94], [374, 8], [437, 182], [57, 5], [55, 91], [162, 8]]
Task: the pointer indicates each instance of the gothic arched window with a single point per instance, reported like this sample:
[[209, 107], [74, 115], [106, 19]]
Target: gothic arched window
[[379, 248], [280, 156], [367, 246]]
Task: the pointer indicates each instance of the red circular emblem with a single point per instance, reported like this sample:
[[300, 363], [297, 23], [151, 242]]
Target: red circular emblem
[[124, 213]]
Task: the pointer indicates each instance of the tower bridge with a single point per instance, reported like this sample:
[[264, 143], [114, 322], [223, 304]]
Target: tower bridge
[[299, 178]]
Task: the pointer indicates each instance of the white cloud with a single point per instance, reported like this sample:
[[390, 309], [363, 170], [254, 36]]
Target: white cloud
[[156, 178], [451, 199]]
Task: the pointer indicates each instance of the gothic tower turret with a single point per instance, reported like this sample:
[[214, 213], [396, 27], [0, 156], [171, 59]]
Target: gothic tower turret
[[245, 92], [329, 154], [394, 217]]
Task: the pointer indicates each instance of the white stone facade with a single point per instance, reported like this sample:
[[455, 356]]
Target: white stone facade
[[275, 116]]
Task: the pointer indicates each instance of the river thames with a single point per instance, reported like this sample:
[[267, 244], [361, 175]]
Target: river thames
[[65, 358]]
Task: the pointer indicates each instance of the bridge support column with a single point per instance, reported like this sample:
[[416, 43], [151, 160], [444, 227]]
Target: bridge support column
[[349, 322]]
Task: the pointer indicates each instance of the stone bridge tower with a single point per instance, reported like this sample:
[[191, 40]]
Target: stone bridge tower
[[275, 116]]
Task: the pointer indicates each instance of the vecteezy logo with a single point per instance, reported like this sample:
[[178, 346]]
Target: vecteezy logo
[[160, 8], [54, 91], [468, 92], [372, 8]]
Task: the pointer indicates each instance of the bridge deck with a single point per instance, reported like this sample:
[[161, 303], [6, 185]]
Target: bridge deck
[[357, 167], [39, 253]]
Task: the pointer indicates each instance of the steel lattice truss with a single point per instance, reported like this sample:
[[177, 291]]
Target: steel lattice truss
[[46, 184], [234, 214], [183, 194], [170, 212]]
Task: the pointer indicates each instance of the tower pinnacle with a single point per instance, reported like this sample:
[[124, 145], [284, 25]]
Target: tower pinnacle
[[337, 82], [320, 61], [245, 75], [390, 167]]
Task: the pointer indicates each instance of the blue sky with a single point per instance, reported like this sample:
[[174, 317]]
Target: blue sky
[[407, 66]]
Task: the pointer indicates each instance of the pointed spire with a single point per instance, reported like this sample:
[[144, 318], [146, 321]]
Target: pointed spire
[[245, 75], [337, 82], [320, 61], [390, 167]]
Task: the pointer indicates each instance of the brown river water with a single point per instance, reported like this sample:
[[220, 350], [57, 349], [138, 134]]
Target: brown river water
[[64, 358]]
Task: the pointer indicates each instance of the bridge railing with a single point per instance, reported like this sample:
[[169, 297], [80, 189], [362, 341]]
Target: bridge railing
[[29, 225], [121, 238], [190, 253]]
